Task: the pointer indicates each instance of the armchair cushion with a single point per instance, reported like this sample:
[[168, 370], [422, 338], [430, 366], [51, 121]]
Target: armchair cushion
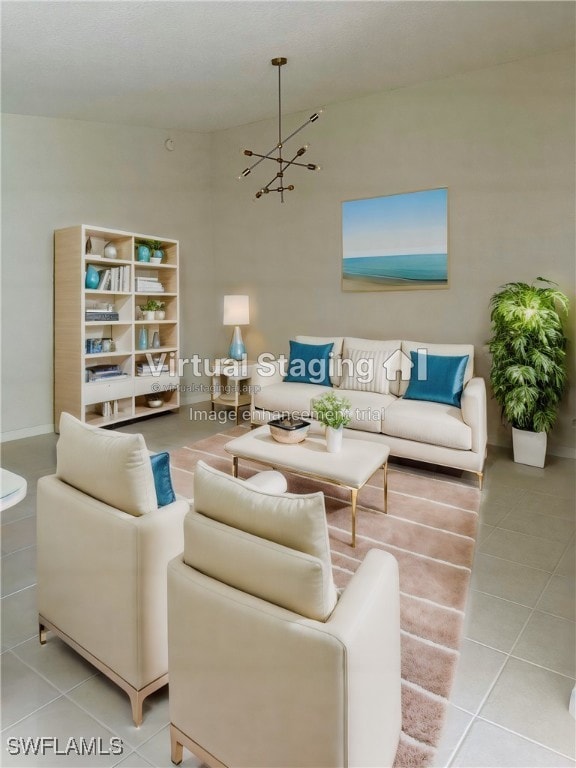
[[294, 527], [110, 466], [162, 479]]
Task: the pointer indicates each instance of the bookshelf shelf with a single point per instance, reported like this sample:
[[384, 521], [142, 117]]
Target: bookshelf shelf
[[110, 399]]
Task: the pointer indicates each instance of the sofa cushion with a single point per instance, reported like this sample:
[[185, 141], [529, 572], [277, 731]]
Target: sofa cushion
[[454, 350], [295, 571], [438, 378], [390, 348], [336, 353], [162, 479], [309, 364], [288, 397], [366, 408], [110, 466], [365, 371], [426, 422]]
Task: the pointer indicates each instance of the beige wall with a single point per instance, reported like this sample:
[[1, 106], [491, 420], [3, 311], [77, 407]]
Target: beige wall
[[58, 173], [501, 140]]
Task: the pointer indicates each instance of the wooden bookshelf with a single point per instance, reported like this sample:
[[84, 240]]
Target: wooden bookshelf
[[82, 342]]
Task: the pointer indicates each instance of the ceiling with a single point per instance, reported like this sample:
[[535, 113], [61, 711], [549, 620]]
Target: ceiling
[[205, 65]]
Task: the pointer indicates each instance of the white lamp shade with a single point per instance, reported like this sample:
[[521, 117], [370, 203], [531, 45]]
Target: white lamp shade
[[236, 310]]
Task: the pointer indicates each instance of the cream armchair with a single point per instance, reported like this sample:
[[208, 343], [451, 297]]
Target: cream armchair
[[268, 666], [103, 549]]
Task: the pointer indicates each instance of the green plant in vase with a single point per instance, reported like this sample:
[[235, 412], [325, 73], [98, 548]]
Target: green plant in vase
[[149, 309], [333, 411], [156, 250], [528, 348]]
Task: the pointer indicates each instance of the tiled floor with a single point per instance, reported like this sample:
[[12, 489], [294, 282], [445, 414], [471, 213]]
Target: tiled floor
[[509, 705]]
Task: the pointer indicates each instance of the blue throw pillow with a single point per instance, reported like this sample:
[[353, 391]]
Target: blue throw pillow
[[438, 378], [309, 363], [162, 480]]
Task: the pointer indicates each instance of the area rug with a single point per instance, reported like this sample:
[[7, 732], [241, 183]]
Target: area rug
[[430, 528]]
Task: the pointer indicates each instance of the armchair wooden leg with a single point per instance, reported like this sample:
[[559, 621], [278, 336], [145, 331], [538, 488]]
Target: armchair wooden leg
[[42, 634], [137, 701], [176, 749]]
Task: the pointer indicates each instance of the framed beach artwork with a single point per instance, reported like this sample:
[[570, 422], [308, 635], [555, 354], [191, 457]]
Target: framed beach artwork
[[396, 242]]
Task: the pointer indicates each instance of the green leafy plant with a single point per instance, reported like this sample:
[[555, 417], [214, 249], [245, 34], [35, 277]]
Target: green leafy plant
[[332, 410], [151, 306], [154, 245], [528, 347]]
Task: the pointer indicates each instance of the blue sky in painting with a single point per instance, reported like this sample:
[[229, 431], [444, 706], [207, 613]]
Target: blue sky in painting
[[411, 223]]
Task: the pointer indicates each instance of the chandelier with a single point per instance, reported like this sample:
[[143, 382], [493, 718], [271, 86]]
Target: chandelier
[[275, 154]]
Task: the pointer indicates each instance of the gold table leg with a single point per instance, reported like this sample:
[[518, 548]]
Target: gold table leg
[[235, 466], [353, 498], [385, 468]]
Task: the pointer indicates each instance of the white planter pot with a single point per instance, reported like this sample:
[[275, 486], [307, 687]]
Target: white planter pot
[[334, 439], [529, 447], [148, 315]]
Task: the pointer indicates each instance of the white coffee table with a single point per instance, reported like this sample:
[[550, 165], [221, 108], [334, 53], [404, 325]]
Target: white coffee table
[[350, 468]]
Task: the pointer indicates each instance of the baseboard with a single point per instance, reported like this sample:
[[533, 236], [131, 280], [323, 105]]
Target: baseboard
[[20, 434], [562, 451]]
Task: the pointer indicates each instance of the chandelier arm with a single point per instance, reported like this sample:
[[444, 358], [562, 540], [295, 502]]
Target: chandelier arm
[[302, 165], [263, 157], [311, 119]]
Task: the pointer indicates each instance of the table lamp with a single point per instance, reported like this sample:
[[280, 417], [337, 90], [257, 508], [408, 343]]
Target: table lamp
[[237, 313]]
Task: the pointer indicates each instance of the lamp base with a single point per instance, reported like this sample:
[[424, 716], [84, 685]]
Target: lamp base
[[237, 349]]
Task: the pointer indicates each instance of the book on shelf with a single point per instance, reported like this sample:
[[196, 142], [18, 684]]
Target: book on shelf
[[92, 315], [104, 279], [148, 285], [104, 371], [144, 369], [109, 409], [115, 279]]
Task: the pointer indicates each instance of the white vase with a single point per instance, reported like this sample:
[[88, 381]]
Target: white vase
[[334, 439], [529, 447], [149, 315]]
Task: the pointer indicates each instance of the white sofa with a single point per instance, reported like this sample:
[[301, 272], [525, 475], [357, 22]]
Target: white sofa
[[421, 430]]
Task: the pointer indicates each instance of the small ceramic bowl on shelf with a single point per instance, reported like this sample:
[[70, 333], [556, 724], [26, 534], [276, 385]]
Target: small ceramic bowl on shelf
[[155, 259], [154, 401]]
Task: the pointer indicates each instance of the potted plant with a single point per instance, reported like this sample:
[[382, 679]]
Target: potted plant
[[156, 251], [149, 309], [528, 373], [160, 313], [334, 412]]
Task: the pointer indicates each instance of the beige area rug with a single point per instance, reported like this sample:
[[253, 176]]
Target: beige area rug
[[430, 528]]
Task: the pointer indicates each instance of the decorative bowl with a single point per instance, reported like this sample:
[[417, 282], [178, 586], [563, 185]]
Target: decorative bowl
[[155, 259], [289, 430], [155, 402]]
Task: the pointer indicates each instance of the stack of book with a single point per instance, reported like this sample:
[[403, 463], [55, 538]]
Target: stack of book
[[102, 372], [148, 285], [90, 315], [145, 369]]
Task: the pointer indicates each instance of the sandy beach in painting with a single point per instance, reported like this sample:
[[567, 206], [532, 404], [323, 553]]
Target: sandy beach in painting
[[383, 284]]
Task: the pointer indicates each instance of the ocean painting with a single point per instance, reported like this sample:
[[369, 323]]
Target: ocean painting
[[396, 242]]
